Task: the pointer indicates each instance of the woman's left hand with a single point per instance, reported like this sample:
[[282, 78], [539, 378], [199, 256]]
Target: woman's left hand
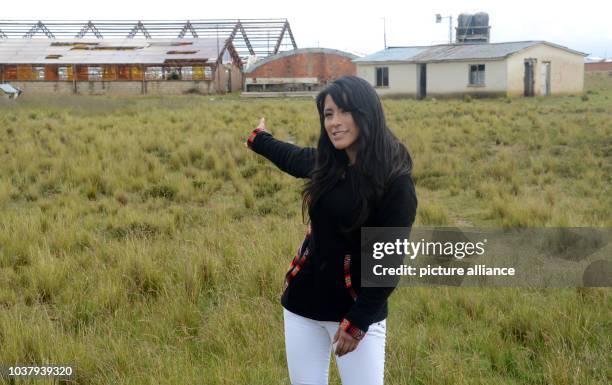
[[346, 343], [261, 127]]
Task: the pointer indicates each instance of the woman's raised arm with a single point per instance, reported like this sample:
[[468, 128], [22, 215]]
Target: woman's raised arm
[[296, 161]]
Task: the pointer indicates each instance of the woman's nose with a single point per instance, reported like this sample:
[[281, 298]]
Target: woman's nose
[[335, 121]]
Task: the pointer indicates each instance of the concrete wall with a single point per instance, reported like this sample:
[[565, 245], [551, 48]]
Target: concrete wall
[[566, 70], [402, 78], [165, 87], [237, 79], [453, 78], [60, 88], [178, 87], [282, 85]]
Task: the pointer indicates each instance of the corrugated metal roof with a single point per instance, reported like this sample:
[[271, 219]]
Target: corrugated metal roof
[[393, 54], [450, 52], [9, 89], [298, 52], [249, 36], [146, 51]]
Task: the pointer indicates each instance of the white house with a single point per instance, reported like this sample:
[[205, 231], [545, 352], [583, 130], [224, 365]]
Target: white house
[[506, 69]]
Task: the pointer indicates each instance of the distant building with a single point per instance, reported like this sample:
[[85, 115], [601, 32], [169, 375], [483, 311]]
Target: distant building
[[603, 65], [305, 69], [171, 57], [505, 69], [120, 66]]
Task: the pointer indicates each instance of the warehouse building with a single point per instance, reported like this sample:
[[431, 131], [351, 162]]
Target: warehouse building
[[170, 57], [120, 66], [305, 69]]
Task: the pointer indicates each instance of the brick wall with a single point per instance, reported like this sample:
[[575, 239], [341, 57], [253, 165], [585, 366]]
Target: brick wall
[[323, 66], [598, 66]]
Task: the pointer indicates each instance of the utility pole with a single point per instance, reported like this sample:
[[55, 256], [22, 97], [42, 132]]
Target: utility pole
[[384, 32], [450, 25]]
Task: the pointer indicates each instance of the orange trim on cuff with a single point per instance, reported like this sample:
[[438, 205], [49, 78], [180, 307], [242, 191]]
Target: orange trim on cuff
[[352, 330], [252, 137]]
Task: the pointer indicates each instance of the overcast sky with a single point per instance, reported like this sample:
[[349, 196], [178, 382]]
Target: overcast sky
[[357, 26]]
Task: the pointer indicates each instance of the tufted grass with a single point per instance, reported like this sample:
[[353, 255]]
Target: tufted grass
[[141, 242]]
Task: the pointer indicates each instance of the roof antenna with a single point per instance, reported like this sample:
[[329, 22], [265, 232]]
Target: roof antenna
[[384, 31]]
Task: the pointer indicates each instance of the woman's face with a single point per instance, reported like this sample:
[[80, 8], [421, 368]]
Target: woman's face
[[340, 126]]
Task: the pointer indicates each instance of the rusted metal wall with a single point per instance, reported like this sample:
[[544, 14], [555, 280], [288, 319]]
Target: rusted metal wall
[[198, 73], [24, 72], [10, 72], [51, 72], [81, 72], [123, 72], [136, 72], [70, 73], [109, 72]]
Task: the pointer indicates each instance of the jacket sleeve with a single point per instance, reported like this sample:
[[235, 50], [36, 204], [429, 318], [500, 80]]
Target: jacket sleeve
[[398, 209], [296, 161]]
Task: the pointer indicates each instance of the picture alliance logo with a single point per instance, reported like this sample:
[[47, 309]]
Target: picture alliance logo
[[404, 247]]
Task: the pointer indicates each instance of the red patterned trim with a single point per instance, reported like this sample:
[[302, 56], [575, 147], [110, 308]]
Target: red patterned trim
[[347, 277], [352, 330], [253, 135], [299, 259]]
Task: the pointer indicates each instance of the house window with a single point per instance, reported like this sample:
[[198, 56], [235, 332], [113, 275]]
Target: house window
[[207, 73], [38, 73], [153, 73], [62, 73], [477, 74], [172, 73], [94, 73], [382, 76], [186, 73]]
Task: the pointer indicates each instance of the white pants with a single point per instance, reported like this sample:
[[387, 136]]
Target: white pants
[[308, 344]]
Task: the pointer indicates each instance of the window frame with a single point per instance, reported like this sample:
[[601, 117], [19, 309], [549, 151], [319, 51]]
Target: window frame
[[168, 71], [38, 73], [63, 73], [94, 76], [383, 71], [479, 79], [186, 73], [208, 73], [154, 73]]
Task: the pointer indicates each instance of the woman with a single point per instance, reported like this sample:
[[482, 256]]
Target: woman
[[359, 175]]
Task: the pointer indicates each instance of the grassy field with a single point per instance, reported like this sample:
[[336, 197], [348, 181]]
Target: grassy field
[[141, 242]]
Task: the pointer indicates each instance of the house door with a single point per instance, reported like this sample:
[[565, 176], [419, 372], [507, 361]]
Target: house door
[[545, 78], [421, 81], [528, 78]]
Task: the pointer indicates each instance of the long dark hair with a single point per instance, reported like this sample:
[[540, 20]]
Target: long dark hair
[[380, 155]]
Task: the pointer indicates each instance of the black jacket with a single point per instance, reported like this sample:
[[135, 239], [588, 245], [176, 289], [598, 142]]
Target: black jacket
[[323, 282]]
